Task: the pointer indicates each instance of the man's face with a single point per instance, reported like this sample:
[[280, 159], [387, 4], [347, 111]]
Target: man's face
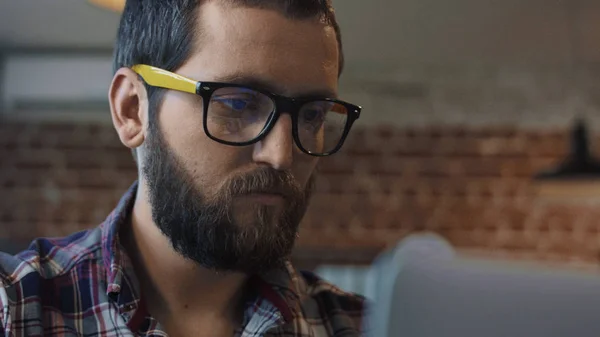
[[237, 208]]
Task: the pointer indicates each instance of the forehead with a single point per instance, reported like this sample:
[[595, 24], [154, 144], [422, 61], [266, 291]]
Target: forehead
[[293, 55]]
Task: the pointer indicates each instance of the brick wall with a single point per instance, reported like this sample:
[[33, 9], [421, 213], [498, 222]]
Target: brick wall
[[472, 185]]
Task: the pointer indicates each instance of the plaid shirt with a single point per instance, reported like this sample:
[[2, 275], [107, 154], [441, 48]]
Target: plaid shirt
[[84, 284]]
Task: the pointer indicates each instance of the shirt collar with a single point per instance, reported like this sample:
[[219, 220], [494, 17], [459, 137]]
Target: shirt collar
[[122, 284], [283, 287]]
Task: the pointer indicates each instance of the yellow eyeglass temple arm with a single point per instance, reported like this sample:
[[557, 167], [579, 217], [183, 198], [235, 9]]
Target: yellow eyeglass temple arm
[[157, 77]]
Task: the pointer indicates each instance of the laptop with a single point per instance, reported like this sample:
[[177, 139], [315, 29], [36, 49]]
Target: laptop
[[424, 289]]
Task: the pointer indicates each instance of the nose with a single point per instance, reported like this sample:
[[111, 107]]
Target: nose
[[277, 148]]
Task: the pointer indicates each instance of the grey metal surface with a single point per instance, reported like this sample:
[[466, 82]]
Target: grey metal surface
[[454, 297]]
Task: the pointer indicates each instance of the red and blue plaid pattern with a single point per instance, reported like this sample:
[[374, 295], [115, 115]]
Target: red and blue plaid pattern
[[84, 285]]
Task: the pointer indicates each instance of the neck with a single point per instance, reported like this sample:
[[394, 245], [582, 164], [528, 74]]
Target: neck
[[175, 288]]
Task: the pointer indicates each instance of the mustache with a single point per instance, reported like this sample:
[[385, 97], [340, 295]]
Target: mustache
[[264, 180]]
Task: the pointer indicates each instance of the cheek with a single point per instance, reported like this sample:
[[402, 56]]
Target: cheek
[[181, 125], [180, 119], [206, 161]]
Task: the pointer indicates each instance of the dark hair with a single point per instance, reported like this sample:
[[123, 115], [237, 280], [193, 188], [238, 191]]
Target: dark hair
[[162, 33]]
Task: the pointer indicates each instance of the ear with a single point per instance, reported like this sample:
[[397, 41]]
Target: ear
[[128, 107]]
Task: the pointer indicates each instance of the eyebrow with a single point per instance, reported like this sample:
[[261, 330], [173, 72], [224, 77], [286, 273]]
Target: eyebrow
[[265, 85]]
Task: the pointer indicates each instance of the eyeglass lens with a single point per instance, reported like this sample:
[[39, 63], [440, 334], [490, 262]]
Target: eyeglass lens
[[239, 115]]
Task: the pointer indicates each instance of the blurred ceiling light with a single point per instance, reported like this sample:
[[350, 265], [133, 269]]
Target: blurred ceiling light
[[113, 5]]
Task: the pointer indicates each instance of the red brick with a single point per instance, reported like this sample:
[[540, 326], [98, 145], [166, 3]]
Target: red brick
[[514, 217], [410, 166], [7, 134], [319, 203], [318, 239], [322, 183], [366, 144], [85, 159], [18, 231], [333, 203], [500, 131], [547, 144], [437, 167], [36, 159], [409, 215], [40, 214], [463, 216], [59, 229], [561, 218], [455, 187], [485, 167], [13, 135], [503, 188], [384, 132], [466, 146], [335, 183], [338, 164], [366, 184], [57, 127], [122, 160], [108, 138], [390, 185], [434, 131], [417, 144], [471, 185], [44, 140], [494, 146], [540, 164], [387, 165], [446, 146], [355, 137], [518, 167]]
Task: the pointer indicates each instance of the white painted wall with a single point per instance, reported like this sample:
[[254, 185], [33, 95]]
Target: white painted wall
[[409, 63], [56, 77], [68, 78], [468, 95], [52, 23], [377, 33]]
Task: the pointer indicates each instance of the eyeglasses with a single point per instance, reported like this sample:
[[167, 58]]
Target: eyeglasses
[[238, 115]]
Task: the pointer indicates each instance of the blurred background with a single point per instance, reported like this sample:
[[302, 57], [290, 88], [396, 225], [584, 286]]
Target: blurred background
[[465, 103]]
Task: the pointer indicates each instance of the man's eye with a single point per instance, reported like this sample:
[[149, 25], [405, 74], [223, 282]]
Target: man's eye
[[313, 116], [235, 103], [238, 104]]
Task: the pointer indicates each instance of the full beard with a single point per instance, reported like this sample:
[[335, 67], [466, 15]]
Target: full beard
[[208, 230]]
